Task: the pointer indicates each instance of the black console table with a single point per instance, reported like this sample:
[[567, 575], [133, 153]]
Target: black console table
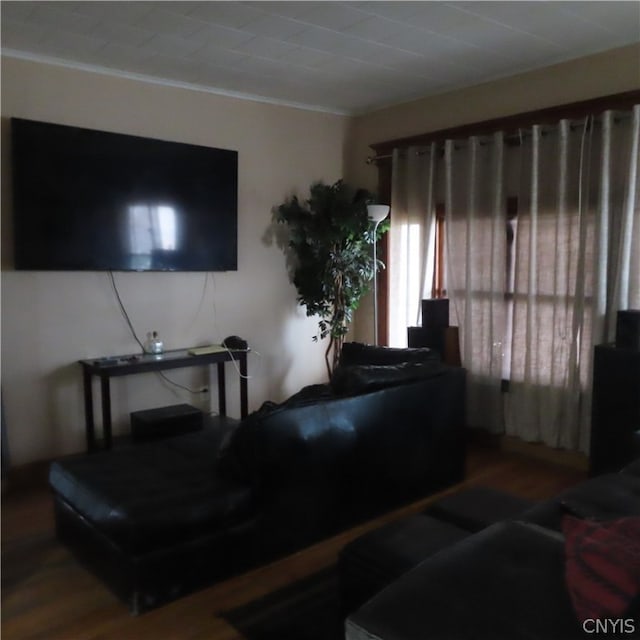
[[107, 368]]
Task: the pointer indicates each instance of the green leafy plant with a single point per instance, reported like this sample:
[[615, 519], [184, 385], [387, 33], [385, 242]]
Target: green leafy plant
[[330, 244]]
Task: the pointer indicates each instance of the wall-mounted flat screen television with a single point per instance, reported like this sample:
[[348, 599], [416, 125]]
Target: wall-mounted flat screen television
[[93, 200]]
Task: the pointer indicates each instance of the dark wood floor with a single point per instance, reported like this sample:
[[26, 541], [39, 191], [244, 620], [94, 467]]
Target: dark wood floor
[[47, 595]]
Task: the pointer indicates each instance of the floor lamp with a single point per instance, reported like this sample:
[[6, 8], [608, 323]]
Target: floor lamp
[[377, 213]]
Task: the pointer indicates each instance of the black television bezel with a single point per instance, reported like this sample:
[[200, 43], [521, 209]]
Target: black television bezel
[[21, 261]]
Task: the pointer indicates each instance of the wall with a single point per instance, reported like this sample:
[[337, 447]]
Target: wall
[[603, 74], [51, 320]]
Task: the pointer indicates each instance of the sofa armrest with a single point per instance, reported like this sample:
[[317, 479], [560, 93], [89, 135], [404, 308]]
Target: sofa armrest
[[504, 582], [633, 469]]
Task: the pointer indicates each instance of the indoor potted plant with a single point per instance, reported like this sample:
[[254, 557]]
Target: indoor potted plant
[[330, 240]]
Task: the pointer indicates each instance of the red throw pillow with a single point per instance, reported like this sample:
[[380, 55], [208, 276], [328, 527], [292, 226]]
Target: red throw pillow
[[603, 565]]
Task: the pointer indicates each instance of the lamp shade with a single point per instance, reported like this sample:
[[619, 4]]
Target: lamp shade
[[377, 212]]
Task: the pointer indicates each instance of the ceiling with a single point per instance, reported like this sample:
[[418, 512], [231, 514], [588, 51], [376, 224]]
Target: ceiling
[[344, 57]]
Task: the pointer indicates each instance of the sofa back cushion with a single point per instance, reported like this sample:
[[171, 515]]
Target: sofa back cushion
[[287, 442], [358, 353], [410, 441], [355, 379], [606, 497], [316, 465], [294, 457]]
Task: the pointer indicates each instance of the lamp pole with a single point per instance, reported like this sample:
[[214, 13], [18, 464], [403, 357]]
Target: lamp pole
[[377, 213]]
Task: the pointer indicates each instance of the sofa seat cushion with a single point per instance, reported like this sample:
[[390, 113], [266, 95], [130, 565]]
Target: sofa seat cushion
[[506, 581], [151, 496], [377, 558], [606, 497], [399, 546]]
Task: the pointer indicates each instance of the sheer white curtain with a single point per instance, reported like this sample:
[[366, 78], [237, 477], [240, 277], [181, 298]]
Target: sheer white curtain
[[618, 221], [577, 251], [475, 258], [553, 291], [532, 291], [411, 238]]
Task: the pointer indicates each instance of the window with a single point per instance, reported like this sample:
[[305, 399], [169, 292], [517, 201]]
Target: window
[[152, 228]]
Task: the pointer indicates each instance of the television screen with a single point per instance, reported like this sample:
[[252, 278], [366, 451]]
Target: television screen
[[92, 200]]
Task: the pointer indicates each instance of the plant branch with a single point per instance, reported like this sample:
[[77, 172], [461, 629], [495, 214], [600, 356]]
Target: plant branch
[[329, 255]]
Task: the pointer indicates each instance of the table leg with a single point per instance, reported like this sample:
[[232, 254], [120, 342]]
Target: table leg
[[244, 404], [88, 411], [106, 411], [222, 390]]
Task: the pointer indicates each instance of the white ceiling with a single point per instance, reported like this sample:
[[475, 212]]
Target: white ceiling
[[345, 57]]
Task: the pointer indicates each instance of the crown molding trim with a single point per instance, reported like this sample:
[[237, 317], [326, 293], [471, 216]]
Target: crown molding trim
[[175, 84]]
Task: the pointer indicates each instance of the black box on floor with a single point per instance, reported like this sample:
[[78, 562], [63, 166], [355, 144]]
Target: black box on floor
[[164, 422]]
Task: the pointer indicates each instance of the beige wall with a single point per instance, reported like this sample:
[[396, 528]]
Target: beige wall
[[599, 75], [51, 320]]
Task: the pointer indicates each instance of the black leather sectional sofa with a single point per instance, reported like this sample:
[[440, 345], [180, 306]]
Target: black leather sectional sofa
[[156, 521], [524, 579]]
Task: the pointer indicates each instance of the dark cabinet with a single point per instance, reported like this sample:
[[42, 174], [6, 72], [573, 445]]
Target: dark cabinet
[[615, 409]]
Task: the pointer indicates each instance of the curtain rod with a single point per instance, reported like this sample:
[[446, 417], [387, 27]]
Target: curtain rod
[[512, 136], [374, 159], [618, 102]]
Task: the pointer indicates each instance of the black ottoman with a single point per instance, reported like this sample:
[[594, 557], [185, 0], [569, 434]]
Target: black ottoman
[[154, 522], [478, 507], [372, 561]]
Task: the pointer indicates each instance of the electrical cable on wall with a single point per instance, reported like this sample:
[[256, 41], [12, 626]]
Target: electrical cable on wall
[[124, 311], [181, 386], [201, 302], [162, 375], [211, 276], [237, 367], [217, 332]]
